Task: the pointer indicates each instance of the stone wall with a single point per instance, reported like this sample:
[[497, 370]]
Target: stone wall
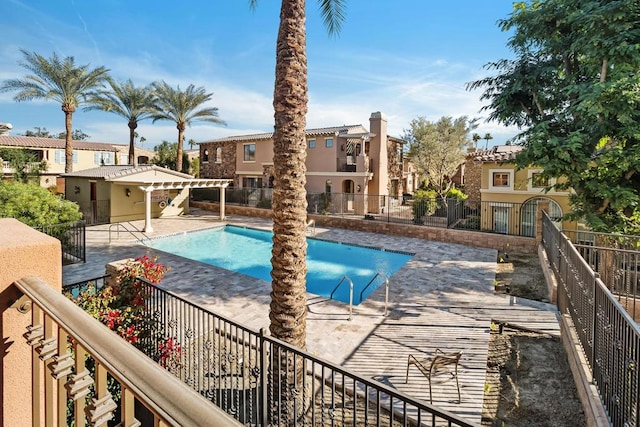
[[226, 168], [478, 239], [472, 178]]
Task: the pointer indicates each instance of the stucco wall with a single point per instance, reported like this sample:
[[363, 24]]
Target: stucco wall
[[23, 252]]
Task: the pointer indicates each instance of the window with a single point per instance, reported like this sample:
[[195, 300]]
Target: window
[[251, 182], [101, 158], [500, 179], [328, 142], [60, 157], [538, 181], [219, 155], [205, 156], [249, 152], [312, 143]]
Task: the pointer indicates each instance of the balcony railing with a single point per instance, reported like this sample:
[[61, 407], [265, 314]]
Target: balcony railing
[[262, 381], [608, 335], [74, 357]]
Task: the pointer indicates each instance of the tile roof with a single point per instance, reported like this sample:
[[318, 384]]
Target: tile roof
[[118, 171], [37, 142], [499, 153], [344, 129]]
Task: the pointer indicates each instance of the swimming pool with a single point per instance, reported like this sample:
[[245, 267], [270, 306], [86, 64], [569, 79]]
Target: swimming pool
[[248, 251]]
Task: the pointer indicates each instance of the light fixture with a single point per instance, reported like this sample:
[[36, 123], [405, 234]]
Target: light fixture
[[127, 191], [358, 188], [76, 189]]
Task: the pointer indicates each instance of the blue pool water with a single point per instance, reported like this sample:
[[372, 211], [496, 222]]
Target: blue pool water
[[248, 251]]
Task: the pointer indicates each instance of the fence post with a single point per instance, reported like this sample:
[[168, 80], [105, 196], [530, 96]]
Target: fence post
[[263, 414], [594, 335]]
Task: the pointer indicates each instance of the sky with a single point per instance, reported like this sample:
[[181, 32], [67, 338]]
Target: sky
[[405, 58]]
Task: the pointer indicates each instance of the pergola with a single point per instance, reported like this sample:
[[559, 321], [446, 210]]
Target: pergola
[[149, 186]]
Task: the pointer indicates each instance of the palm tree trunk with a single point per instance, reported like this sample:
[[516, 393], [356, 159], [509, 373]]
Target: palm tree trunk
[[181, 128], [132, 140], [68, 141], [288, 310]]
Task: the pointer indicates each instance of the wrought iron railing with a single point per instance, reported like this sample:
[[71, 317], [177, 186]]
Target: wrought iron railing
[[486, 216], [608, 335], [76, 361], [262, 381], [72, 238]]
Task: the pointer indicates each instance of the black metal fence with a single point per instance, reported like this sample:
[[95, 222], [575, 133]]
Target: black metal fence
[[262, 381], [609, 336], [494, 217], [72, 238]]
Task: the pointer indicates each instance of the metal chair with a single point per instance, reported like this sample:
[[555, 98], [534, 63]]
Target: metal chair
[[429, 366]]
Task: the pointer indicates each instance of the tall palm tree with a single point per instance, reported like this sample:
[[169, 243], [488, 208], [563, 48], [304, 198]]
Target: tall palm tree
[[476, 137], [59, 80], [487, 136], [182, 107], [288, 309], [128, 101]]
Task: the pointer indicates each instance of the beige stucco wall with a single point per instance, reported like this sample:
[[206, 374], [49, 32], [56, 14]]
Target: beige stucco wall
[[321, 158], [23, 252], [520, 192], [129, 208]]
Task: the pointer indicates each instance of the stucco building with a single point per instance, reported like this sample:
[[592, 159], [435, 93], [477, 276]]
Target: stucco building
[[348, 159]]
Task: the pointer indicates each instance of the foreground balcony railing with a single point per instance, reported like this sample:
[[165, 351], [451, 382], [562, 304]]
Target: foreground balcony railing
[[75, 358], [262, 381]]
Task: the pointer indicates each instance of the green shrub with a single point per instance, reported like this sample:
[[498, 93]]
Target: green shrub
[[424, 203], [35, 205]]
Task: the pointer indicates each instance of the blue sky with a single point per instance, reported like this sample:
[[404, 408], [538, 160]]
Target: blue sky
[[407, 58]]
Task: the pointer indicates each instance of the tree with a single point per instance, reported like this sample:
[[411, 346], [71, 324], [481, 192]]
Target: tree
[[76, 135], [437, 150], [38, 132], [475, 137], [128, 101], [35, 205], [288, 307], [574, 88], [166, 156], [61, 81], [192, 143], [24, 163], [182, 107], [487, 137]]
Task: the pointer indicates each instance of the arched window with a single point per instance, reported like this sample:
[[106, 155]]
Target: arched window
[[205, 155], [219, 155]]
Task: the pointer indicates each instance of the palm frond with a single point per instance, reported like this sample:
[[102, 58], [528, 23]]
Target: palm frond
[[333, 15]]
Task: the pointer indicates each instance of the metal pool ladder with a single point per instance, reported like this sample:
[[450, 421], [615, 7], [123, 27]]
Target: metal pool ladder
[[386, 290], [350, 293]]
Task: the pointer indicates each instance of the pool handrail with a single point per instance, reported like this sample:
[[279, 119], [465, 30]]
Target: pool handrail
[[350, 294], [386, 290]]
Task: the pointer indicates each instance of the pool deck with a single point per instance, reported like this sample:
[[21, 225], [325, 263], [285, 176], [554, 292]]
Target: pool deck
[[442, 298]]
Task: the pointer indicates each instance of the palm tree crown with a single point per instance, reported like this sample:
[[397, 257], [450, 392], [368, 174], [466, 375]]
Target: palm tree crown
[[59, 80], [131, 102], [182, 107]]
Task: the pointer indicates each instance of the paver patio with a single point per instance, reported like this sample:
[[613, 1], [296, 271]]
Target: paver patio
[[442, 298]]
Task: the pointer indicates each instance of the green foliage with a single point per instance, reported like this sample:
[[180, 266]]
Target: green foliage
[[438, 149], [574, 88], [24, 163], [424, 203], [35, 205], [76, 134], [457, 194], [166, 156]]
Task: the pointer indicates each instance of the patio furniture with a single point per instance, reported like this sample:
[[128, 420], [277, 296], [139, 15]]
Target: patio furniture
[[429, 367]]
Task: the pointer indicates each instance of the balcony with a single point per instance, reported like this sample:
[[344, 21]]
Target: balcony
[[354, 164]]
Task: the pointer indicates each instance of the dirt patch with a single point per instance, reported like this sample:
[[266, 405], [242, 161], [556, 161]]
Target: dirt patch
[[528, 382]]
